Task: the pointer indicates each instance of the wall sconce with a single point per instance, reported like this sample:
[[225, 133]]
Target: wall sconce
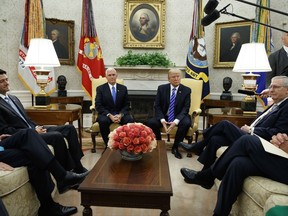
[[251, 58], [42, 55]]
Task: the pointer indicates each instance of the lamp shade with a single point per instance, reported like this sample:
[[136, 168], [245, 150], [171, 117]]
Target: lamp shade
[[252, 58], [41, 53]]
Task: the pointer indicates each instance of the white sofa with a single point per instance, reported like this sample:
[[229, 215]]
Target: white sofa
[[260, 196], [18, 194]]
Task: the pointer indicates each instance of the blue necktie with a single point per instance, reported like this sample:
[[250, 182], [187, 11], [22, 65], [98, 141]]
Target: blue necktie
[[11, 103], [114, 94], [171, 106]]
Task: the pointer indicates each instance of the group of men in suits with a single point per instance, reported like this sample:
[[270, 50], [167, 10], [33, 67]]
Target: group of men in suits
[[110, 111], [245, 155], [24, 143]]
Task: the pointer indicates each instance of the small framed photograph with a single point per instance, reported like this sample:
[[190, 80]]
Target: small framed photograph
[[144, 24], [61, 32], [229, 38]]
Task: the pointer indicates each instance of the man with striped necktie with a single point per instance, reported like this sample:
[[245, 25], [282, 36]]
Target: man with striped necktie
[[171, 109]]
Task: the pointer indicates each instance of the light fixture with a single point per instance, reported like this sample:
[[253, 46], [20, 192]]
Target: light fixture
[[42, 55], [251, 58]]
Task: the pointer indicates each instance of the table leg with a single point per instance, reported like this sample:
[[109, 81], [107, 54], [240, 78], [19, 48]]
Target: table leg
[[80, 131], [164, 213], [87, 211]]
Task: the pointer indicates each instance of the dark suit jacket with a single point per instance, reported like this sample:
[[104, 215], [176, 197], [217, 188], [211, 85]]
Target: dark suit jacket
[[279, 64], [182, 102], [10, 121], [275, 122], [104, 102]]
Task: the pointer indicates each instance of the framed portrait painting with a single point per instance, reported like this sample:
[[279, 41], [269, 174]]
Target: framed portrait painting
[[229, 38], [61, 32], [144, 24]]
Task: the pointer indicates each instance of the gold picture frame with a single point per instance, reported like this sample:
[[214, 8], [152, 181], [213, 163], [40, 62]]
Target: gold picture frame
[[64, 45], [225, 53], [147, 32]]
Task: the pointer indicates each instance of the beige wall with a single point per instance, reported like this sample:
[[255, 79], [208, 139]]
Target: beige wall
[[109, 19]]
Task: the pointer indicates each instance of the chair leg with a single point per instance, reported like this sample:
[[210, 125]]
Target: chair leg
[[93, 137], [190, 139]]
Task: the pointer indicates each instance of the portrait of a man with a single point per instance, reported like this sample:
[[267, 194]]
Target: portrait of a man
[[229, 38], [144, 23]]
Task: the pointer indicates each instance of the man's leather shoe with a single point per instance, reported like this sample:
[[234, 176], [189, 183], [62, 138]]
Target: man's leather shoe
[[80, 170], [189, 147], [57, 210], [191, 178], [71, 180], [176, 153]]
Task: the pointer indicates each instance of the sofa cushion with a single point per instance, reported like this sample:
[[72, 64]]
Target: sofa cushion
[[260, 189], [12, 180]]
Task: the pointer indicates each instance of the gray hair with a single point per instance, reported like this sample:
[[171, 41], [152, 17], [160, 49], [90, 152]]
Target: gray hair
[[283, 78]]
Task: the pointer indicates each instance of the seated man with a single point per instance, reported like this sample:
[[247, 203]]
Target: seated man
[[172, 108], [14, 118], [112, 104], [273, 120], [27, 148], [246, 157]]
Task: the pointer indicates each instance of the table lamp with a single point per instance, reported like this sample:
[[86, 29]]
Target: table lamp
[[41, 55], [251, 58]]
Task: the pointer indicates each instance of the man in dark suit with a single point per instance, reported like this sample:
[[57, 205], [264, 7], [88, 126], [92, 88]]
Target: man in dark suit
[[273, 120], [14, 118], [246, 157], [27, 148], [279, 61], [179, 108], [112, 104]]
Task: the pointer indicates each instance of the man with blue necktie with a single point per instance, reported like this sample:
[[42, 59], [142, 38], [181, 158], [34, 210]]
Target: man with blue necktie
[[112, 104], [172, 109]]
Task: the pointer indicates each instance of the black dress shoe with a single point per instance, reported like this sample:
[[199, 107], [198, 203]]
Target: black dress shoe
[[176, 153], [80, 170], [191, 178], [190, 147], [57, 210], [71, 180]]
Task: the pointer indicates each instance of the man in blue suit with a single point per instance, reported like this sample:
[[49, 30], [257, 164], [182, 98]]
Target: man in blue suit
[[272, 121], [112, 104], [168, 113]]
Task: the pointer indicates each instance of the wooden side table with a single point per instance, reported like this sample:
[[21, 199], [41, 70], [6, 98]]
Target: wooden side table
[[217, 103], [215, 115], [58, 114], [69, 100]]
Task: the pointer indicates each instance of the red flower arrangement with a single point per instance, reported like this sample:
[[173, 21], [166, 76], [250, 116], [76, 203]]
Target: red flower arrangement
[[133, 137]]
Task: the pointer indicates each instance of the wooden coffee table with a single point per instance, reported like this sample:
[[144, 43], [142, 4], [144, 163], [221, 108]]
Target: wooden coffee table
[[115, 182]]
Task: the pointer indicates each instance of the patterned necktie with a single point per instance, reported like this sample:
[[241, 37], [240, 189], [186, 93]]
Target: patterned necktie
[[11, 103], [172, 106], [114, 94]]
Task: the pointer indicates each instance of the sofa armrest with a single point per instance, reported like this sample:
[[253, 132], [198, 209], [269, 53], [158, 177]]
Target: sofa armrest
[[276, 204]]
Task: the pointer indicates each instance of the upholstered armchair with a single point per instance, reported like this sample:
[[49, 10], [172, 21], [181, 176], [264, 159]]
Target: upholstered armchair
[[194, 111], [95, 129]]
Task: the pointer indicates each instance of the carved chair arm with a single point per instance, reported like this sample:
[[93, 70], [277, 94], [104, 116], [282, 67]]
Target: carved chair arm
[[195, 113]]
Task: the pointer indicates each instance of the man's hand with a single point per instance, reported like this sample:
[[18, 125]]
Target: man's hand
[[115, 118], [281, 141], [264, 93], [3, 136], [40, 129], [171, 126], [5, 167], [246, 128], [164, 124]]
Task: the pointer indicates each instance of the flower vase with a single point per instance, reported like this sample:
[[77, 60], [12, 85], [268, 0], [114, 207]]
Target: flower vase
[[130, 156]]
